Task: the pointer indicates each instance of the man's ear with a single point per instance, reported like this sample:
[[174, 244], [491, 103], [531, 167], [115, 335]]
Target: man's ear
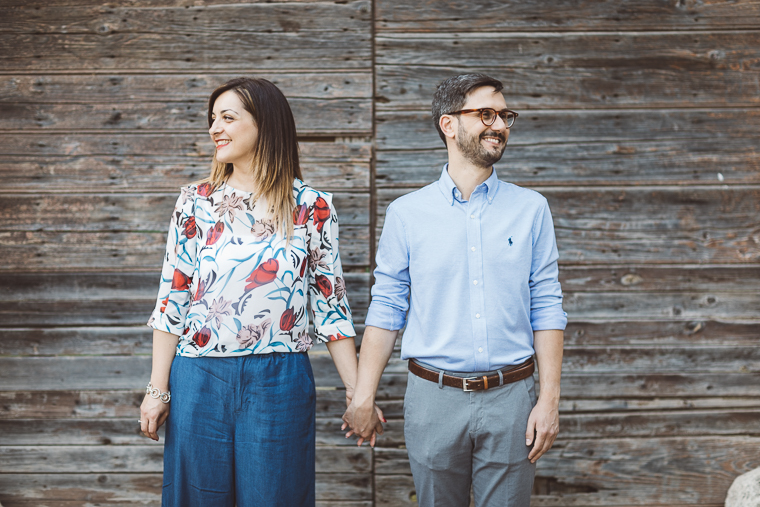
[[448, 126]]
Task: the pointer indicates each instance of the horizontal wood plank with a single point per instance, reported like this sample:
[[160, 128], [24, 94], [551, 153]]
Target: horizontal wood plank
[[106, 298], [145, 459], [658, 332], [145, 489], [727, 162], [415, 131], [159, 162], [124, 250], [251, 17], [100, 404], [662, 69], [617, 472], [124, 212], [648, 225], [269, 36], [577, 15], [588, 372]]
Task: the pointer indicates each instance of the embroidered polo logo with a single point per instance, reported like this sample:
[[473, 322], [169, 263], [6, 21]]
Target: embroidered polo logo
[[510, 241]]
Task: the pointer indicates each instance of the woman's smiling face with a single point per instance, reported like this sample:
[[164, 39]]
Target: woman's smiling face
[[233, 131]]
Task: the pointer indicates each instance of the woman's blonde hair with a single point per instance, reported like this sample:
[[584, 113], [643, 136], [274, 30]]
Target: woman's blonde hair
[[275, 156]]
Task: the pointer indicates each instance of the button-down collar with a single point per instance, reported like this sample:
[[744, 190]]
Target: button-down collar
[[452, 193]]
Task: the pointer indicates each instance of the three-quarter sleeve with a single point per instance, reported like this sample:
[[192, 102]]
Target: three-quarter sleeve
[[390, 293], [327, 286], [545, 291], [174, 293]]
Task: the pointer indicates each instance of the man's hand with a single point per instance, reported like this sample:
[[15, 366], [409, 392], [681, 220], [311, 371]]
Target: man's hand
[[543, 423], [363, 419]]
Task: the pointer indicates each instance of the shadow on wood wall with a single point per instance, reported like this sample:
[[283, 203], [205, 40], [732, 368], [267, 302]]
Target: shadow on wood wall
[[638, 122]]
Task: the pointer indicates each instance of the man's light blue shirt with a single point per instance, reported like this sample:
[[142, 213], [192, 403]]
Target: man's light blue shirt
[[477, 277]]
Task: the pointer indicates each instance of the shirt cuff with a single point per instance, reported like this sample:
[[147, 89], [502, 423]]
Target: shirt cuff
[[385, 317], [548, 318]]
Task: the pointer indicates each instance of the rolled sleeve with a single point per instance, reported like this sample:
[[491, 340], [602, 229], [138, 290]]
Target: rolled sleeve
[[545, 290], [390, 293], [327, 286], [174, 292]]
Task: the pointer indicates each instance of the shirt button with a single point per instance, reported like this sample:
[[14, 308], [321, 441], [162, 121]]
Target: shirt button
[[477, 315], [472, 216], [473, 249], [480, 349], [474, 282]]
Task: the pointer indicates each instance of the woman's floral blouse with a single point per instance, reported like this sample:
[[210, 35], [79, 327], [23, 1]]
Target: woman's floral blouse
[[232, 286]]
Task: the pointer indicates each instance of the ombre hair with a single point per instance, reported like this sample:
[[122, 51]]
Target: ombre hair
[[275, 156]]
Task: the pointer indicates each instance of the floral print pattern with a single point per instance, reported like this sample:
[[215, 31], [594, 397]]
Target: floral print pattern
[[231, 285]]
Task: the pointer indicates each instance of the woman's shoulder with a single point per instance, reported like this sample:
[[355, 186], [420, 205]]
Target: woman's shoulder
[[306, 194]]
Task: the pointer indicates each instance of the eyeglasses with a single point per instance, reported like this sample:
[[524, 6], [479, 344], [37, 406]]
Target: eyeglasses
[[488, 115]]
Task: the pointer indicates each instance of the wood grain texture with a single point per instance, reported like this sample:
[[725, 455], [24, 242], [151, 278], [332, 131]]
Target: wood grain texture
[[124, 250], [62, 300], [617, 472], [322, 103], [147, 458], [160, 161], [145, 489], [268, 36], [596, 70], [125, 212], [567, 15], [648, 225], [414, 130]]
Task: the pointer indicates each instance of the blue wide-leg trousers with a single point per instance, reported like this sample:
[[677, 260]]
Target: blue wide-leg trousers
[[240, 432]]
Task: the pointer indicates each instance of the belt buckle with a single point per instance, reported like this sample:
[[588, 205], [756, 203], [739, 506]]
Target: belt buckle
[[464, 383]]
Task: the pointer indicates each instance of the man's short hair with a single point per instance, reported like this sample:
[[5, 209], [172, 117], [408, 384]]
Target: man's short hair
[[452, 93]]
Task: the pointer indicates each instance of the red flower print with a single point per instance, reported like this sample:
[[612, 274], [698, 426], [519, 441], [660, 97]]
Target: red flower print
[[180, 281], [262, 275], [301, 214], [324, 285], [303, 266], [288, 320], [190, 229], [200, 292], [205, 189], [321, 213], [215, 233], [337, 337], [202, 337], [164, 303]]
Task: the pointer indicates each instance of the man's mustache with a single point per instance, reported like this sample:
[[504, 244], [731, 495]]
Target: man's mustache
[[491, 133]]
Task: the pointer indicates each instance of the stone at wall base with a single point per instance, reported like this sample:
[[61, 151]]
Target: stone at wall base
[[745, 491]]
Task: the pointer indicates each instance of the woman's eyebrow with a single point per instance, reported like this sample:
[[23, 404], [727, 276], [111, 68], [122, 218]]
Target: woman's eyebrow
[[225, 110]]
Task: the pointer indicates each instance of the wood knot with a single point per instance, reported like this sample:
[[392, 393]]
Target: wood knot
[[631, 279]]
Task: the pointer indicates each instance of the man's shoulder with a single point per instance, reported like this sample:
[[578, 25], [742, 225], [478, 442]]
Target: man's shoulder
[[416, 199], [524, 195]]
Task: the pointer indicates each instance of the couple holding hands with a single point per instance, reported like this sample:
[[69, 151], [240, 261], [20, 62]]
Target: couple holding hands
[[468, 264]]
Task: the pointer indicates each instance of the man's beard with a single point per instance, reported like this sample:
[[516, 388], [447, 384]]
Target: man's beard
[[473, 151]]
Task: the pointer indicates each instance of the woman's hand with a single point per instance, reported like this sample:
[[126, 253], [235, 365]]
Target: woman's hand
[[349, 417], [153, 413]]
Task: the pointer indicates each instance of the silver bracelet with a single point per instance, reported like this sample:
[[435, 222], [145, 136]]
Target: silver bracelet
[[156, 393]]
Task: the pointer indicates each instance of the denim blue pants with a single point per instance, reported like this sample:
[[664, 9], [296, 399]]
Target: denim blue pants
[[240, 432]]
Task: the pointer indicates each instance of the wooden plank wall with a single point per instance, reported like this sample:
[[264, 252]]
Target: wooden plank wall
[[638, 121], [102, 120]]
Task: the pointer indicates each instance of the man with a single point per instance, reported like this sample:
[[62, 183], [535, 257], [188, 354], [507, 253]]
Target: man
[[474, 262]]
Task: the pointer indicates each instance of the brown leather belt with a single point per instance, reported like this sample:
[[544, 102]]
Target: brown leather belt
[[510, 375]]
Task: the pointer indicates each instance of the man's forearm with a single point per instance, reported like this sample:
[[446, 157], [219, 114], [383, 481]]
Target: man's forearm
[[548, 346], [376, 349]]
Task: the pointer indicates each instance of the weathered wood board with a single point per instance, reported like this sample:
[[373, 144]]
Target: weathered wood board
[[574, 15], [549, 70], [160, 161]]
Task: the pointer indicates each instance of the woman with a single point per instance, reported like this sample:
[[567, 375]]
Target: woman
[[245, 248]]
